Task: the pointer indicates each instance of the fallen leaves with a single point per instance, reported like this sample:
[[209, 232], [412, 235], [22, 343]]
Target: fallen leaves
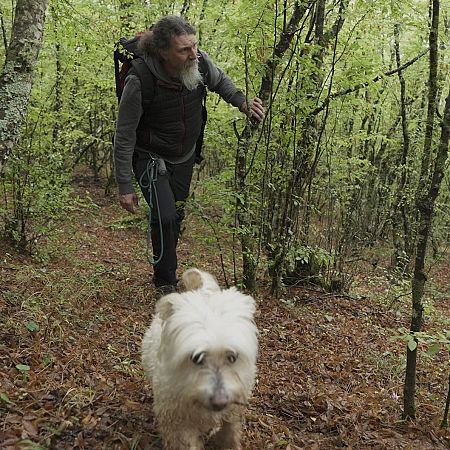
[[70, 377]]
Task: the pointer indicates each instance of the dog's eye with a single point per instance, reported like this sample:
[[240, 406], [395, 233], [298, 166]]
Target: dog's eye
[[232, 357], [197, 358]]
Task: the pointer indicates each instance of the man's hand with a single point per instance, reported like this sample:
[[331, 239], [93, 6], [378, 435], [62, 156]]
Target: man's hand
[[253, 109], [129, 202]]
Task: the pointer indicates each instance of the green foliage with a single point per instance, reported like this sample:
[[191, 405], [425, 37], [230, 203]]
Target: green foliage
[[22, 367], [37, 193], [327, 181], [4, 398], [213, 202], [32, 326], [130, 221], [315, 265], [439, 341], [71, 118]]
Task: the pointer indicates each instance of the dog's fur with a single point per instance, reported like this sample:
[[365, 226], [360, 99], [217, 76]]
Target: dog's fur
[[200, 353]]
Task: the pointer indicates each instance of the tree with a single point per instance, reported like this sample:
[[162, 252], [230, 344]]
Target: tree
[[245, 138], [16, 79], [431, 176]]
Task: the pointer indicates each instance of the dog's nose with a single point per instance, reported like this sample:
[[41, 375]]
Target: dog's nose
[[219, 400]]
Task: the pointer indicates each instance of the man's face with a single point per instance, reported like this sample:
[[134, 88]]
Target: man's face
[[182, 53]]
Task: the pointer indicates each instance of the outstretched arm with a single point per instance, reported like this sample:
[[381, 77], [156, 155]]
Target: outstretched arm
[[217, 81]]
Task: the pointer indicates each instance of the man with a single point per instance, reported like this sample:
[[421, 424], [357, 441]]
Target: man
[[168, 130]]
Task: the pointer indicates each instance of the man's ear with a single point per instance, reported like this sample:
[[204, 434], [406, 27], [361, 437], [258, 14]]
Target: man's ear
[[165, 305]]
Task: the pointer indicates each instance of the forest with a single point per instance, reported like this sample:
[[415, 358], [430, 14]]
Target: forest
[[333, 212]]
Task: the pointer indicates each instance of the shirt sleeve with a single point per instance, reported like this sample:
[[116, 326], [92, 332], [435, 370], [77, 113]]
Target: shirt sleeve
[[128, 117], [217, 81]]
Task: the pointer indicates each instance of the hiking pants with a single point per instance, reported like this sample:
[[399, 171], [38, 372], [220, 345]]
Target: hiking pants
[[172, 190]]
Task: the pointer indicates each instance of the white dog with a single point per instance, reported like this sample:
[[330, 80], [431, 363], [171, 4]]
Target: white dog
[[200, 353]]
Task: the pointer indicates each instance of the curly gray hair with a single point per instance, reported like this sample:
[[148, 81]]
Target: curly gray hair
[[160, 35]]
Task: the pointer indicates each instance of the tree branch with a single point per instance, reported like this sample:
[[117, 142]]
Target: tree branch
[[5, 39], [366, 83]]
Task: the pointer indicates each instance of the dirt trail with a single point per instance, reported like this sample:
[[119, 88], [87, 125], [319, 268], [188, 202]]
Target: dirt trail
[[328, 375]]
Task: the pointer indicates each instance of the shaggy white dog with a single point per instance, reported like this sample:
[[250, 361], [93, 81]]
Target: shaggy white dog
[[200, 353]]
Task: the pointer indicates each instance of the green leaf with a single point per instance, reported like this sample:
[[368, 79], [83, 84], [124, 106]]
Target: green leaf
[[22, 367], [5, 398], [32, 326], [412, 344], [433, 350]]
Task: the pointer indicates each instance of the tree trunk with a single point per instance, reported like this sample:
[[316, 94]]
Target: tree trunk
[[16, 79], [242, 212], [425, 205], [4, 35], [444, 423], [58, 105], [432, 92], [400, 217]]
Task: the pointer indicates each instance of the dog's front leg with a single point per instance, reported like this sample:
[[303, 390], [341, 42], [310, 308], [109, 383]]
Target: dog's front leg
[[228, 437], [183, 440]]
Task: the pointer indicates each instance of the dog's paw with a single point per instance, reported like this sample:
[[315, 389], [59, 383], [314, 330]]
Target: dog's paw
[[227, 437]]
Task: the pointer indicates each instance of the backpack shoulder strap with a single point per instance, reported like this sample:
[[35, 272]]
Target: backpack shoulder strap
[[147, 80], [203, 68]]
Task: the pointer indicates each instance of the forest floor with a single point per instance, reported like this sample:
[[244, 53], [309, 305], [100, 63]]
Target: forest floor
[[329, 376]]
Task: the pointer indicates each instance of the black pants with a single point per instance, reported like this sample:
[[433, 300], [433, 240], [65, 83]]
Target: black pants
[[171, 190]]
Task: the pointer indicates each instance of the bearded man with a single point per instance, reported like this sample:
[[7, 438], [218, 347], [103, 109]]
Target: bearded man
[[167, 130]]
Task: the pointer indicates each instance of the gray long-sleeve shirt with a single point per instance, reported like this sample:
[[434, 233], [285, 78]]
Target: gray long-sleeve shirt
[[130, 113]]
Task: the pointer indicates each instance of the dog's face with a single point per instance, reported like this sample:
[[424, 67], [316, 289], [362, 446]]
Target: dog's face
[[209, 345]]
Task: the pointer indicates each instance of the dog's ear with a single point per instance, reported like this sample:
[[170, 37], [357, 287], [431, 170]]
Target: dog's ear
[[164, 306], [194, 279], [250, 305], [242, 304]]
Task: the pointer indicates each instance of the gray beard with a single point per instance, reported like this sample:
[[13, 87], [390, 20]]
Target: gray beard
[[190, 76]]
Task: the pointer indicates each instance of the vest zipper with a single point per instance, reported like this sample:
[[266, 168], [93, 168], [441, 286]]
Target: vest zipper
[[183, 121]]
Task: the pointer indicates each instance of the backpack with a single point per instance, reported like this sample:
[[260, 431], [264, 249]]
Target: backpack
[[126, 57]]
